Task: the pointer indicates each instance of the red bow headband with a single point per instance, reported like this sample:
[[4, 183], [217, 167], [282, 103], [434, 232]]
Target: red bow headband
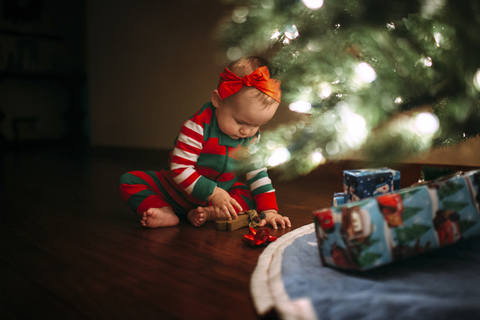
[[230, 83]]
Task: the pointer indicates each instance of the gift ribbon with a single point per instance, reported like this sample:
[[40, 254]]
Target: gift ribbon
[[258, 238], [230, 83]]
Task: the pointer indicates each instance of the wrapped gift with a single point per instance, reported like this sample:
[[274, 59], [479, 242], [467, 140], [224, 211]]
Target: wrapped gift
[[389, 227], [365, 183]]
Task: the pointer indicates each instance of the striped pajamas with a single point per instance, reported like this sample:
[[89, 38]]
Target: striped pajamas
[[203, 158]]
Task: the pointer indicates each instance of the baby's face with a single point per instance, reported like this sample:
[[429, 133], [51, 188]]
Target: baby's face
[[242, 117]]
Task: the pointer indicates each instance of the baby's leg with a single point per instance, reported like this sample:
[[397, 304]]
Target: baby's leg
[[242, 194], [140, 190], [159, 217]]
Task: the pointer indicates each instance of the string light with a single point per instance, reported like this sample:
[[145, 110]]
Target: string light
[[391, 26], [438, 38], [275, 35], [390, 71], [427, 62]]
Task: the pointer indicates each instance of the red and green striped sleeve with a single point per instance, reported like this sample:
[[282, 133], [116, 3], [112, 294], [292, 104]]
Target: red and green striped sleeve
[[188, 148]]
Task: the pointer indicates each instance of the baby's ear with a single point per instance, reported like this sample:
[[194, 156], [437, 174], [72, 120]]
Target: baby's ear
[[216, 100]]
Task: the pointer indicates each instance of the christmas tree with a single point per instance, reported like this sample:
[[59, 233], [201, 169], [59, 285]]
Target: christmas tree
[[380, 79]]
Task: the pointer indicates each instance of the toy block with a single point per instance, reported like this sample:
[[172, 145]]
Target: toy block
[[234, 224]]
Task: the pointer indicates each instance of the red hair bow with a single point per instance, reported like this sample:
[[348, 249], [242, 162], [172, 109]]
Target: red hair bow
[[230, 83]]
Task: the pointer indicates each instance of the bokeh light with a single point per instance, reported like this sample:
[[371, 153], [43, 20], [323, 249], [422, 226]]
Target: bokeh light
[[325, 90], [356, 124], [426, 123], [240, 14], [366, 72], [314, 45], [332, 148], [476, 80], [430, 7], [267, 4], [291, 32], [234, 53], [279, 156], [317, 157], [313, 4], [301, 106], [271, 145]]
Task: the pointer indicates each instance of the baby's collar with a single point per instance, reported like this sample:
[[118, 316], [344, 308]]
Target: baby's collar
[[225, 140]]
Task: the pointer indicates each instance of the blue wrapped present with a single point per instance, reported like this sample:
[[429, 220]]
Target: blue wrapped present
[[365, 183], [393, 226]]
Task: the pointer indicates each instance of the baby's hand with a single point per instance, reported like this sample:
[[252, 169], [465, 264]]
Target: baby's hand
[[272, 217], [223, 203]]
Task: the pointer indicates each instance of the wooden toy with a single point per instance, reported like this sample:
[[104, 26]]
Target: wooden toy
[[247, 218]]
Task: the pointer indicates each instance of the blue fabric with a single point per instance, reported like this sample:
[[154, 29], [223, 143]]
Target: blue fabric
[[440, 284]]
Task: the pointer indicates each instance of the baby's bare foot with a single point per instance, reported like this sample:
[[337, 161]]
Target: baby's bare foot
[[159, 217], [197, 216]]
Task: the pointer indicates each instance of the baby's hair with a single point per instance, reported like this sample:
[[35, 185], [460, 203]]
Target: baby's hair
[[247, 65]]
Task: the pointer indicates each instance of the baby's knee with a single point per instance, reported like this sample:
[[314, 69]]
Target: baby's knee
[[130, 178], [123, 178]]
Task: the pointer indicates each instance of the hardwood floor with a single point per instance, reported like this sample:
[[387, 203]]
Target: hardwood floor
[[70, 249]]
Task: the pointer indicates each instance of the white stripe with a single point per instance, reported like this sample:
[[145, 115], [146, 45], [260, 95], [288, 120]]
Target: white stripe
[[184, 154], [260, 183], [253, 173], [189, 189], [194, 126], [174, 166], [190, 141], [184, 175]]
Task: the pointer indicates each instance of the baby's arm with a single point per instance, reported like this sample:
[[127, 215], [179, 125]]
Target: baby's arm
[[188, 148], [272, 217], [224, 203]]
